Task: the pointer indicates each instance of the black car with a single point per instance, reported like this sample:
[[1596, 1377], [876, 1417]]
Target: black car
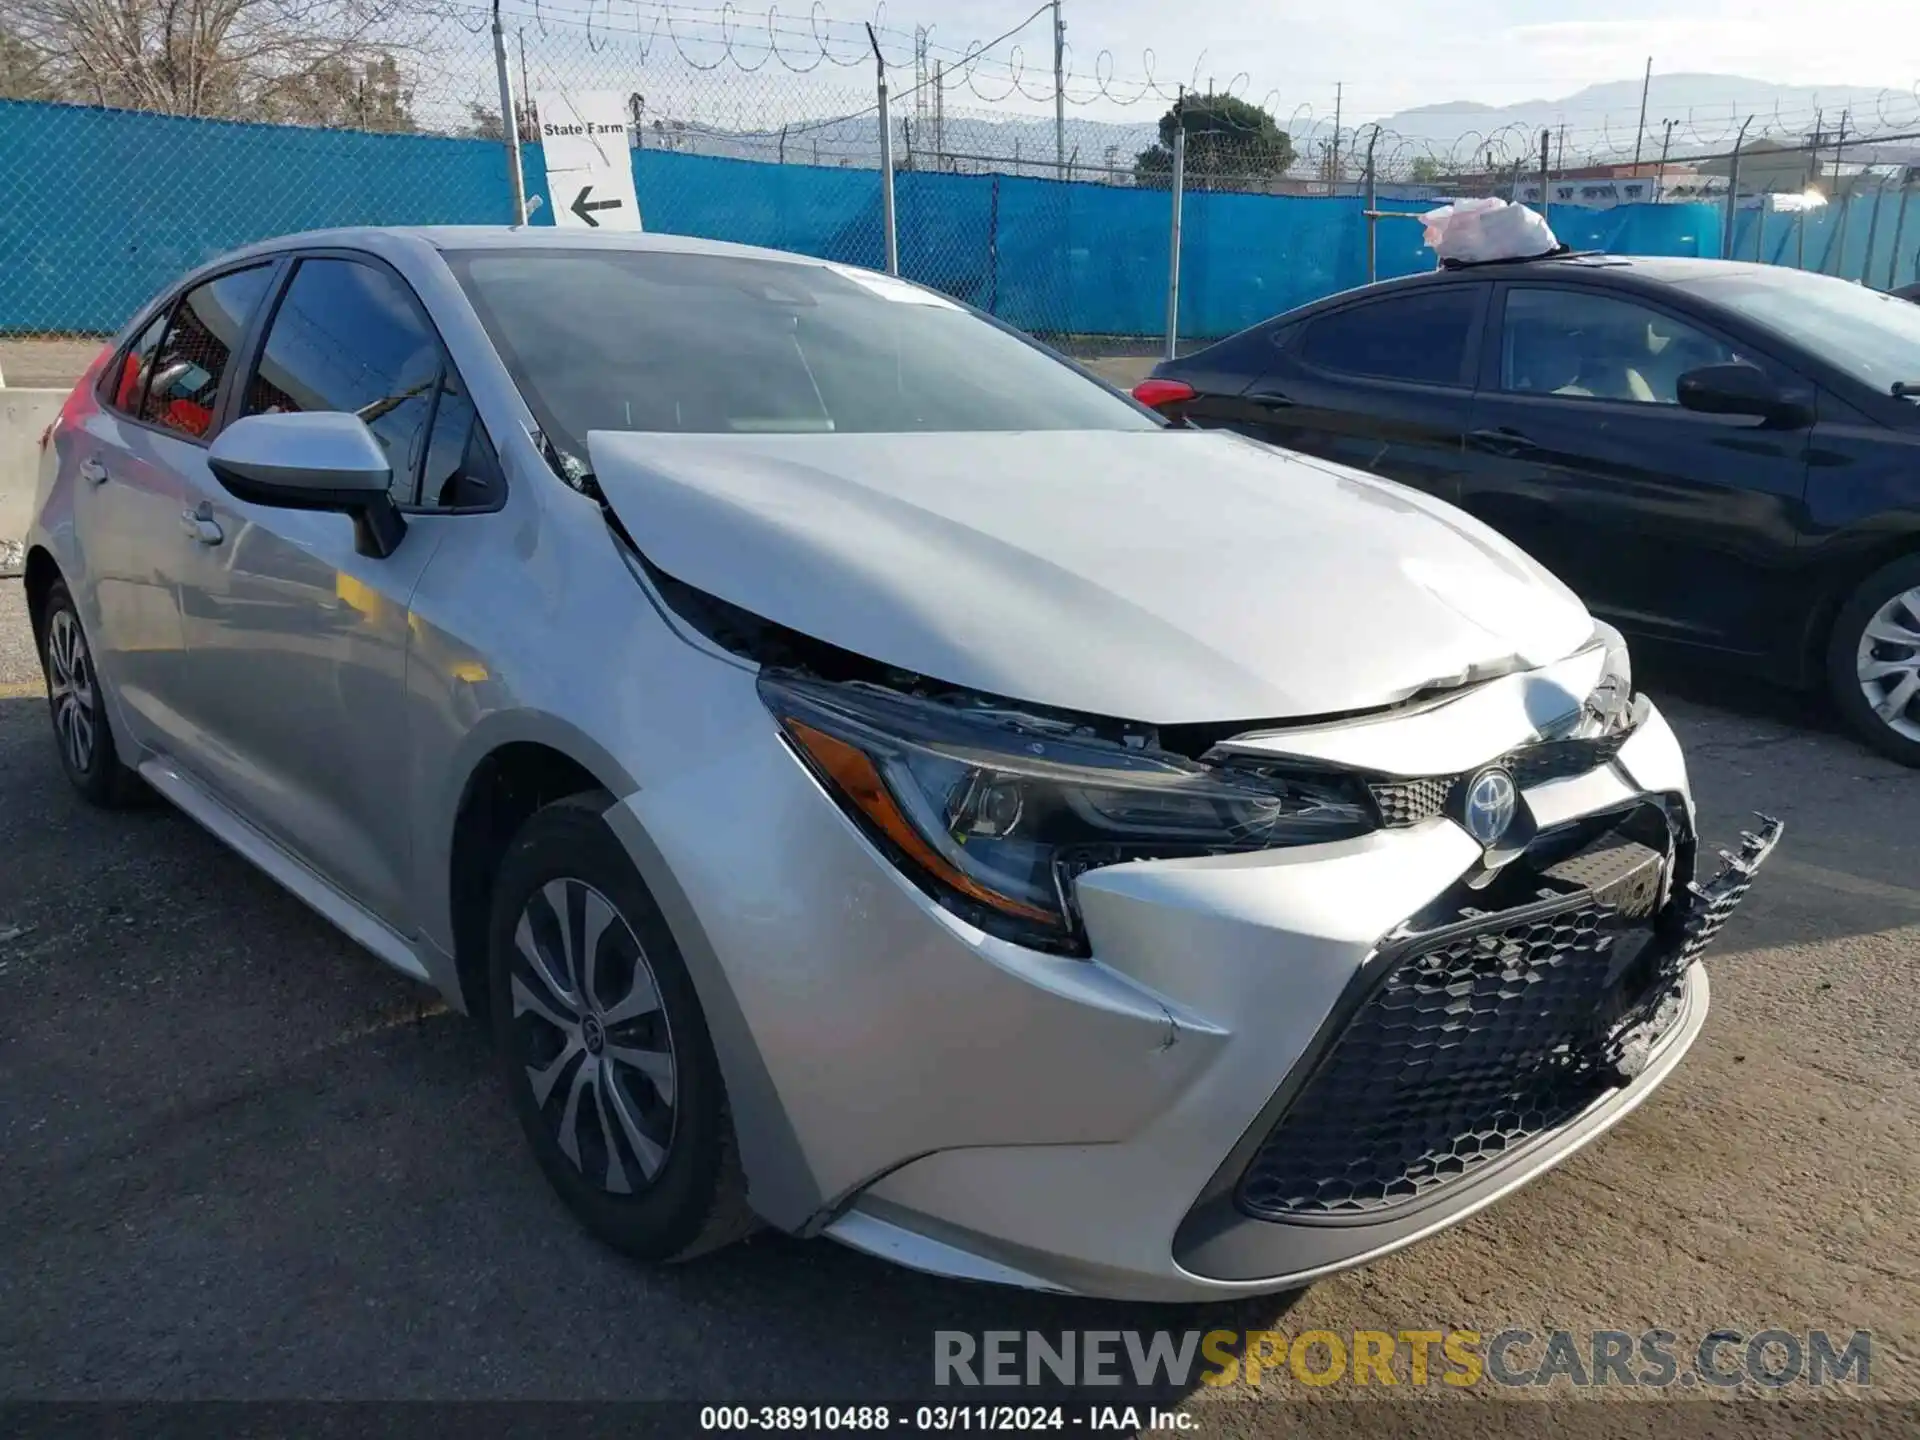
[[1717, 455], [1912, 292]]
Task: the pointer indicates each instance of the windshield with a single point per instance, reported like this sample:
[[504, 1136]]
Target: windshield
[[1873, 337], [720, 344]]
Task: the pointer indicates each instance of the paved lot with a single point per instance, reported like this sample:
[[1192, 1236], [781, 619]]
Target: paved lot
[[244, 1160]]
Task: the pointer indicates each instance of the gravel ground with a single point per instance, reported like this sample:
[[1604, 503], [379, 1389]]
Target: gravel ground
[[246, 1161]]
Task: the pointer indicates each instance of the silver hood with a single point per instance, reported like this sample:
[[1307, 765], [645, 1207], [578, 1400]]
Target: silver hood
[[1166, 576]]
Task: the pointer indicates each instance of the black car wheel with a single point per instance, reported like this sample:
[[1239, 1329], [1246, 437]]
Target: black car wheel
[[78, 707], [604, 1046], [1873, 660]]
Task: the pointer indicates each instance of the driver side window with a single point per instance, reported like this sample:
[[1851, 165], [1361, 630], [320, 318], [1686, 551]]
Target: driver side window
[[1599, 347], [350, 337]]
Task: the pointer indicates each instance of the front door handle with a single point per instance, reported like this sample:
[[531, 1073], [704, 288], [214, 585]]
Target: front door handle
[[200, 524], [93, 470], [1503, 442], [1270, 397]]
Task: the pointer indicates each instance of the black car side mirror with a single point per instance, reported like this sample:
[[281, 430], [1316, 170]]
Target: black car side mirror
[[320, 460], [1742, 390]]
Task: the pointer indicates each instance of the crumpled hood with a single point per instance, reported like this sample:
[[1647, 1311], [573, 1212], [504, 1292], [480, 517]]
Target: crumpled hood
[[1166, 576]]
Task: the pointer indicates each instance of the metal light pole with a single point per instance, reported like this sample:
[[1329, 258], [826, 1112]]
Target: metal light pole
[[888, 223], [1059, 93], [1373, 204], [1173, 245], [1837, 242], [1900, 227], [1873, 234], [1733, 193], [509, 121], [1641, 134]]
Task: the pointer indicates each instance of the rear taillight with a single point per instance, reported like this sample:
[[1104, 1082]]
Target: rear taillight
[[1161, 393], [80, 402]]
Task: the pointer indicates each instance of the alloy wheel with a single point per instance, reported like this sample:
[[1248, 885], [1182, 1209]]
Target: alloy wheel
[[72, 690], [592, 1036], [1888, 663]]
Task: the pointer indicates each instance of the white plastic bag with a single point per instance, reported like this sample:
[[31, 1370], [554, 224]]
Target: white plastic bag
[[1472, 231]]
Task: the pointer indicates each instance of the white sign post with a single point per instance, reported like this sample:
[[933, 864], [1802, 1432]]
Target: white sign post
[[587, 140]]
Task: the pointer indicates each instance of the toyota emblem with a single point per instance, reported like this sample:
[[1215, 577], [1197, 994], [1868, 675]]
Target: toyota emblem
[[1491, 801]]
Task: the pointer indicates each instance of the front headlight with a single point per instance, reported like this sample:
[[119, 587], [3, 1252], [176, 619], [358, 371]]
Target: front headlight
[[995, 814]]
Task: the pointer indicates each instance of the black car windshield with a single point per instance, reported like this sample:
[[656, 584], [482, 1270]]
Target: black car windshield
[[726, 344], [1873, 337]]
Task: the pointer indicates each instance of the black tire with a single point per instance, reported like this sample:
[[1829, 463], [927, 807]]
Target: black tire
[[694, 1199], [1884, 587], [82, 732]]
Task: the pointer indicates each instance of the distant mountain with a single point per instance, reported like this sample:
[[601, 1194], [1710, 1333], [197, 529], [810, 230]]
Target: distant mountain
[[1707, 111], [1599, 120]]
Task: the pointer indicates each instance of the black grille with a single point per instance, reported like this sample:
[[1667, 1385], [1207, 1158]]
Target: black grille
[[1408, 802], [1484, 1034], [1559, 759]]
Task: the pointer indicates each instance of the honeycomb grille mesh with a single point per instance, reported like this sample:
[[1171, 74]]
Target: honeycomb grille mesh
[[1408, 802], [1559, 759], [1467, 1049]]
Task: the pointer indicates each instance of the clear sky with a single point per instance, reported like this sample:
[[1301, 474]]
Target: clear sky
[[1392, 54]]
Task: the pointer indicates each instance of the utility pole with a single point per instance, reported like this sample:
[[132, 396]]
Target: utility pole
[[526, 92], [1660, 176], [1173, 238], [939, 115], [1333, 171], [1837, 244], [509, 123], [1059, 92], [1560, 154], [1641, 134], [1545, 136], [1733, 193], [890, 233]]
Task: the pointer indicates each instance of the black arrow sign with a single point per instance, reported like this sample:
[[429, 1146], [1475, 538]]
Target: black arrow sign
[[584, 207]]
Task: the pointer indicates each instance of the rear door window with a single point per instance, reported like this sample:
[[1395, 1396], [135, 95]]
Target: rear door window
[[1418, 339], [181, 384]]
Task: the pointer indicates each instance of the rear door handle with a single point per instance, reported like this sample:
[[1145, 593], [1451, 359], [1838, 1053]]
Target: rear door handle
[[93, 471], [1503, 442], [1270, 397], [200, 524]]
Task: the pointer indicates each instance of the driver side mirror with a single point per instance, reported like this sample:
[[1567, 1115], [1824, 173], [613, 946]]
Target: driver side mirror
[[319, 460], [1742, 390]]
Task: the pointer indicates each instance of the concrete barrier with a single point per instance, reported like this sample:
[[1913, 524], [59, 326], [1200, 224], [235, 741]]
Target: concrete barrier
[[24, 416]]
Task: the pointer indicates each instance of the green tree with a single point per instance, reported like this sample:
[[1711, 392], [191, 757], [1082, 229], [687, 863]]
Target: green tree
[[1426, 169], [1230, 143]]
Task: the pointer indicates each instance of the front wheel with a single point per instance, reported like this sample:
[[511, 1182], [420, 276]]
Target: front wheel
[[1873, 660], [604, 1045]]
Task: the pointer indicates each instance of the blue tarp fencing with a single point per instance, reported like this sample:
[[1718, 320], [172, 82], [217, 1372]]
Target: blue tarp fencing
[[103, 207]]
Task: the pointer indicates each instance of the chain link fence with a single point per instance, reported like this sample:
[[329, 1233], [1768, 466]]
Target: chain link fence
[[132, 155]]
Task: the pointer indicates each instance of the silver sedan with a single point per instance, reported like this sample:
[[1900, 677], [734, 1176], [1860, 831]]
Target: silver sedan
[[873, 779]]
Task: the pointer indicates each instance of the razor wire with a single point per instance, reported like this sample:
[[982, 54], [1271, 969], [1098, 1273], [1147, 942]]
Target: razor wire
[[342, 112]]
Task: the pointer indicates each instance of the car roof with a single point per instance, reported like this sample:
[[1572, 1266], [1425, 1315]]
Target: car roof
[[1653, 269], [509, 237], [1642, 272]]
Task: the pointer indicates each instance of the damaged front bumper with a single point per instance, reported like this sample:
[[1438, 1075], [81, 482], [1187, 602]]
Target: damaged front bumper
[[1410, 1078]]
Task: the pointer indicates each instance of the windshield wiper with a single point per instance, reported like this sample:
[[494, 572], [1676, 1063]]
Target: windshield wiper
[[1906, 389]]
